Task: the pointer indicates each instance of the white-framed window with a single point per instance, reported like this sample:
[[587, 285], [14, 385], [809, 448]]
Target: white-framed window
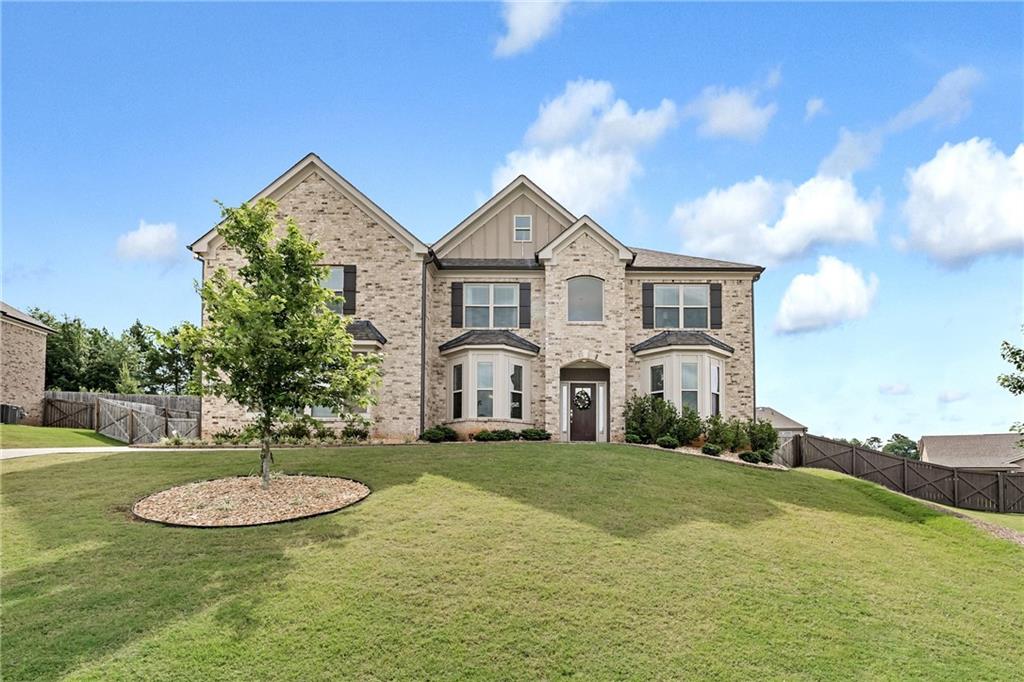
[[491, 306], [585, 299], [457, 391], [658, 381], [689, 380], [515, 395], [682, 306], [488, 384], [716, 387], [522, 228], [335, 281], [485, 389], [322, 412]]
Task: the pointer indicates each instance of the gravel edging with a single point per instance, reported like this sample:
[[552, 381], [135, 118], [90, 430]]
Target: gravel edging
[[694, 452], [243, 503]]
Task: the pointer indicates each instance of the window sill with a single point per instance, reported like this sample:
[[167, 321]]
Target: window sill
[[586, 323]]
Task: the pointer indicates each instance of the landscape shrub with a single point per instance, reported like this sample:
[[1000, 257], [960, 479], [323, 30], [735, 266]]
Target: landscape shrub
[[763, 435], [303, 427], [688, 426], [668, 442], [716, 432], [764, 455], [357, 427], [432, 435], [750, 457], [504, 434], [534, 434], [739, 440], [633, 438], [650, 418], [711, 449], [227, 436]]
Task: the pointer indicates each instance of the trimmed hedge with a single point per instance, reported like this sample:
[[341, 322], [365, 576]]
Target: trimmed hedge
[[711, 449], [668, 442], [534, 434]]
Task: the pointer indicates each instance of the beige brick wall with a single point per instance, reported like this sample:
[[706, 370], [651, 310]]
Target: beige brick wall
[[24, 369], [567, 342], [388, 287], [737, 331]]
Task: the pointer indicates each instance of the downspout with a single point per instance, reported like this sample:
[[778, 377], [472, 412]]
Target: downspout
[[423, 346], [753, 345]]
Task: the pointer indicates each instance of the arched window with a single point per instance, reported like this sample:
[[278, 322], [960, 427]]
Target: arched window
[[586, 299]]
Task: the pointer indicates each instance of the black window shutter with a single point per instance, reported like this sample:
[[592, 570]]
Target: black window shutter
[[647, 289], [524, 305], [350, 290], [716, 306], [456, 304]]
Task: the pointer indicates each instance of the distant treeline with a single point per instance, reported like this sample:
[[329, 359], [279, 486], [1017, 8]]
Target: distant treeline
[[141, 360]]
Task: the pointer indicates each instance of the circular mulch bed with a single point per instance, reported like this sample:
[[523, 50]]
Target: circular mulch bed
[[240, 501]]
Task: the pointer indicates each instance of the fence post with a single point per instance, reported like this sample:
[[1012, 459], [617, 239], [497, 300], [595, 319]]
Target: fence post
[[167, 432], [798, 450], [131, 426], [1001, 480], [956, 488], [905, 486], [96, 415]]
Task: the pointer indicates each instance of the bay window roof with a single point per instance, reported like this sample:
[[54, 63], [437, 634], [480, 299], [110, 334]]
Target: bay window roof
[[490, 337], [678, 337], [363, 330]]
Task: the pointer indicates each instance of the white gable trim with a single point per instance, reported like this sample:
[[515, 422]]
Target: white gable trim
[[308, 165], [511, 192], [586, 224]]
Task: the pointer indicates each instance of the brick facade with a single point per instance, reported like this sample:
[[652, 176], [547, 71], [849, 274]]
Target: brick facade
[[393, 281], [24, 368]]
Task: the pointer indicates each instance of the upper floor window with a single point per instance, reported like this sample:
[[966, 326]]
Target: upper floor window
[[341, 279], [523, 228], [683, 306], [491, 305], [586, 299]]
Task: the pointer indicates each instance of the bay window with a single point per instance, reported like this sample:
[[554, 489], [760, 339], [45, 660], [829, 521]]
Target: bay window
[[658, 381], [457, 391], [515, 398], [716, 387], [491, 306], [687, 378], [689, 374], [682, 306], [488, 383], [485, 389]]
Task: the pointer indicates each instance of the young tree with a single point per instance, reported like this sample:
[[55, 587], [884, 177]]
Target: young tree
[[270, 343], [126, 381], [873, 442], [1014, 381]]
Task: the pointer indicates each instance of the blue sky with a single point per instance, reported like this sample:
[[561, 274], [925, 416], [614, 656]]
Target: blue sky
[[894, 248]]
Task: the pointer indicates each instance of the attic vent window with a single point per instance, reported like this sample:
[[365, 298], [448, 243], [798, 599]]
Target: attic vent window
[[523, 228]]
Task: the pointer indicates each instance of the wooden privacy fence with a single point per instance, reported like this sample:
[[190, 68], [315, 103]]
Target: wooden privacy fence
[[980, 490], [136, 419], [139, 423]]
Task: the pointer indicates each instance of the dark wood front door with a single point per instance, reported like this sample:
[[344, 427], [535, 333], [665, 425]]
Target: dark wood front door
[[582, 411]]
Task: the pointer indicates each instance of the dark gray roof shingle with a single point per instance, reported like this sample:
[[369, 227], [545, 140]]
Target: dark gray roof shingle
[[986, 450], [363, 330], [490, 263], [490, 337], [651, 259], [15, 314], [679, 337]]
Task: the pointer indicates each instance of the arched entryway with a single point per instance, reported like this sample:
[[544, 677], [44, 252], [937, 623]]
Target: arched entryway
[[583, 401]]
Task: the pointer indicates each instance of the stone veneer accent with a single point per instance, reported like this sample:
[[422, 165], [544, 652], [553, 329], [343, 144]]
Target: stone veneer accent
[[24, 369], [388, 285]]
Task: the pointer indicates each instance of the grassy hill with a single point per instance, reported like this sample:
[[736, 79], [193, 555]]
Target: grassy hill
[[502, 561]]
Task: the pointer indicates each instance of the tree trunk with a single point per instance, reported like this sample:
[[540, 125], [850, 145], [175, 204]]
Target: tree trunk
[[265, 458]]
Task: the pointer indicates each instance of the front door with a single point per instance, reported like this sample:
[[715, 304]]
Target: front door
[[582, 411]]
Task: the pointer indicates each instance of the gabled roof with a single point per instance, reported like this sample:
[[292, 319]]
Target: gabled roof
[[585, 223], [680, 337], [309, 164], [12, 313], [364, 330], [490, 337], [986, 450], [510, 192], [777, 419], [649, 259]]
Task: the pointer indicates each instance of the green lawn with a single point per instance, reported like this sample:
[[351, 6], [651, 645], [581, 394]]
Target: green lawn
[[517, 561], [1011, 521], [21, 436]]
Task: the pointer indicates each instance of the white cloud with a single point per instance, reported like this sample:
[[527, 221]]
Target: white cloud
[[814, 106], [526, 24], [766, 222], [730, 112], [584, 144], [894, 389], [947, 103], [837, 292], [152, 241], [952, 396], [965, 202]]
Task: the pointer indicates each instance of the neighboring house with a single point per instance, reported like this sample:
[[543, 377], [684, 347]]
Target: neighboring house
[[786, 427], [522, 315], [983, 452], [23, 338]]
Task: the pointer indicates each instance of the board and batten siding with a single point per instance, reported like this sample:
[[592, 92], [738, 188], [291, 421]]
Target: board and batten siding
[[494, 238]]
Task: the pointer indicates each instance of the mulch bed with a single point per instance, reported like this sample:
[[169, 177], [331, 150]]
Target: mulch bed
[[240, 501]]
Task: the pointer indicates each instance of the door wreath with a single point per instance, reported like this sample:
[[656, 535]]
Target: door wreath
[[581, 400]]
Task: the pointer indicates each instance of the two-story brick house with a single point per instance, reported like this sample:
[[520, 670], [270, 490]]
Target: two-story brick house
[[522, 315]]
